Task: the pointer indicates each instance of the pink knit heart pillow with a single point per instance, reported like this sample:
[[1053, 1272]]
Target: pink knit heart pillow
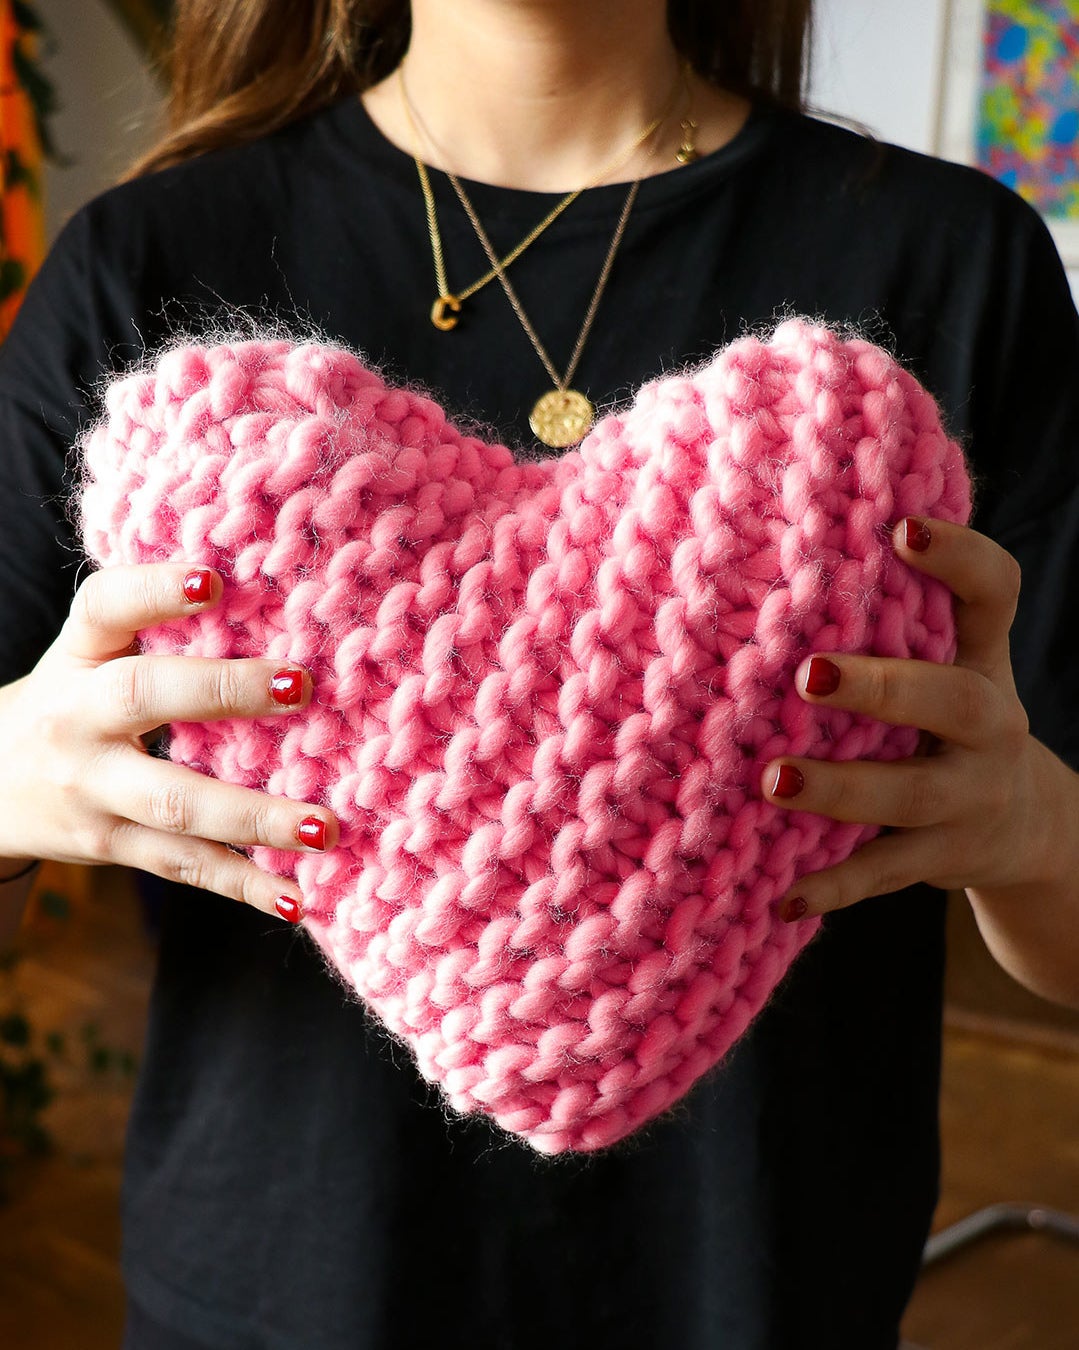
[[544, 690]]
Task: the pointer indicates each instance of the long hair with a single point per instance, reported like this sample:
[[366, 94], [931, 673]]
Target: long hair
[[240, 69]]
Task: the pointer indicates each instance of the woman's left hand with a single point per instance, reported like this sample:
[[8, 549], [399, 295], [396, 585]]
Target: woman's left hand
[[970, 809]]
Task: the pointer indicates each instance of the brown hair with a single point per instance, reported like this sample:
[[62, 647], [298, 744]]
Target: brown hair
[[239, 69]]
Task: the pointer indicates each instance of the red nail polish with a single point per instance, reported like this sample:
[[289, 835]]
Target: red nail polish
[[199, 586], [789, 781], [823, 676], [795, 908], [916, 534], [288, 909], [312, 832], [287, 686]]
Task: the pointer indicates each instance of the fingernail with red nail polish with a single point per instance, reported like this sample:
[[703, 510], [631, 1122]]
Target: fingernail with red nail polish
[[822, 677], [789, 781], [199, 585], [286, 686], [795, 908], [916, 534], [312, 832], [288, 908]]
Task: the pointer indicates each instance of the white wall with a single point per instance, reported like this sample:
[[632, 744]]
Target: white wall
[[881, 63], [109, 102]]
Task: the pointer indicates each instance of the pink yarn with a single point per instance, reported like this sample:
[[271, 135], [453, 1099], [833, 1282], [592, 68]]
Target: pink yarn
[[544, 691]]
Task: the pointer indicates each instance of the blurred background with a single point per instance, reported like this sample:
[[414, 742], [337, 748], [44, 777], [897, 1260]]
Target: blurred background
[[996, 84]]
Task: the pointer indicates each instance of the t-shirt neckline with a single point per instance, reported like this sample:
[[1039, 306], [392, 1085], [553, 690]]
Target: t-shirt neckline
[[679, 181]]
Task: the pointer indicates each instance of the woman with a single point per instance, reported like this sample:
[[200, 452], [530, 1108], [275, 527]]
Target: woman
[[290, 1181]]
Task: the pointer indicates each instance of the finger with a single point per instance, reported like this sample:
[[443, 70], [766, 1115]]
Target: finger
[[889, 863], [983, 577], [952, 702], [113, 604], [136, 694], [174, 799], [906, 793], [206, 866]]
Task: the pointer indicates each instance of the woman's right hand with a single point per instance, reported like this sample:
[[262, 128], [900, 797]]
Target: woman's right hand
[[79, 784]]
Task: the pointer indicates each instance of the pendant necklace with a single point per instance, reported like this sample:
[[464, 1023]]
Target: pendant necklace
[[562, 416], [447, 305]]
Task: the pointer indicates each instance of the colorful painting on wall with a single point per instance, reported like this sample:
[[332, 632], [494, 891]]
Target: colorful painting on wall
[[1009, 102], [1028, 111]]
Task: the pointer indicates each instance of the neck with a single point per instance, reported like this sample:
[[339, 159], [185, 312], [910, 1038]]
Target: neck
[[539, 94]]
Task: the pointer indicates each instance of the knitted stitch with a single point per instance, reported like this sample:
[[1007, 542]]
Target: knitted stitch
[[544, 690]]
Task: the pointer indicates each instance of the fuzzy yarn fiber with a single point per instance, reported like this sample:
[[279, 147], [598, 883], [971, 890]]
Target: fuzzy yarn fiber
[[544, 689]]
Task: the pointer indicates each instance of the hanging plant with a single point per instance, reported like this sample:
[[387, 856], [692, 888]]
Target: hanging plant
[[27, 101], [147, 21], [30, 1056]]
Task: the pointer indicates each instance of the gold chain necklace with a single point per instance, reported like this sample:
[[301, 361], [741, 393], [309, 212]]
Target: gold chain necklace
[[447, 305], [562, 416]]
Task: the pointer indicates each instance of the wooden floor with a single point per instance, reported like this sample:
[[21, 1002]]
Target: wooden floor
[[1010, 1116]]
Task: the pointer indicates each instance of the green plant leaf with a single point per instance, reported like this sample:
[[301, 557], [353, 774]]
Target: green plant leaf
[[43, 103], [15, 170], [27, 1091], [17, 173], [54, 904], [12, 277], [15, 1029], [38, 1089], [38, 1140], [26, 16], [100, 1059]]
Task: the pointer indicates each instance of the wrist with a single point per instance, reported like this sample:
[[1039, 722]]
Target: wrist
[[1045, 852], [1029, 924], [1056, 864]]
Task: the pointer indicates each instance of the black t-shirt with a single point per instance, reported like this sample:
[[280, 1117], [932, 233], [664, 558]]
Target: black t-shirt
[[290, 1181]]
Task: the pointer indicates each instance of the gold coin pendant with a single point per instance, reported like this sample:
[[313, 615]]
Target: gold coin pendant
[[561, 417]]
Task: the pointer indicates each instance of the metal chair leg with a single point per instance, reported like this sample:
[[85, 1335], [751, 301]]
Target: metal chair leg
[[1011, 1217]]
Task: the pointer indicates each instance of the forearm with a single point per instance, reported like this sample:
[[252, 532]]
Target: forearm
[[1032, 930]]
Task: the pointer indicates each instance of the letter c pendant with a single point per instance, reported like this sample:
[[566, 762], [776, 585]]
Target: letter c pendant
[[440, 318]]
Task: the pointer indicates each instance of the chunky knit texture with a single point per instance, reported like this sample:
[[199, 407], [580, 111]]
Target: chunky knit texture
[[544, 690]]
